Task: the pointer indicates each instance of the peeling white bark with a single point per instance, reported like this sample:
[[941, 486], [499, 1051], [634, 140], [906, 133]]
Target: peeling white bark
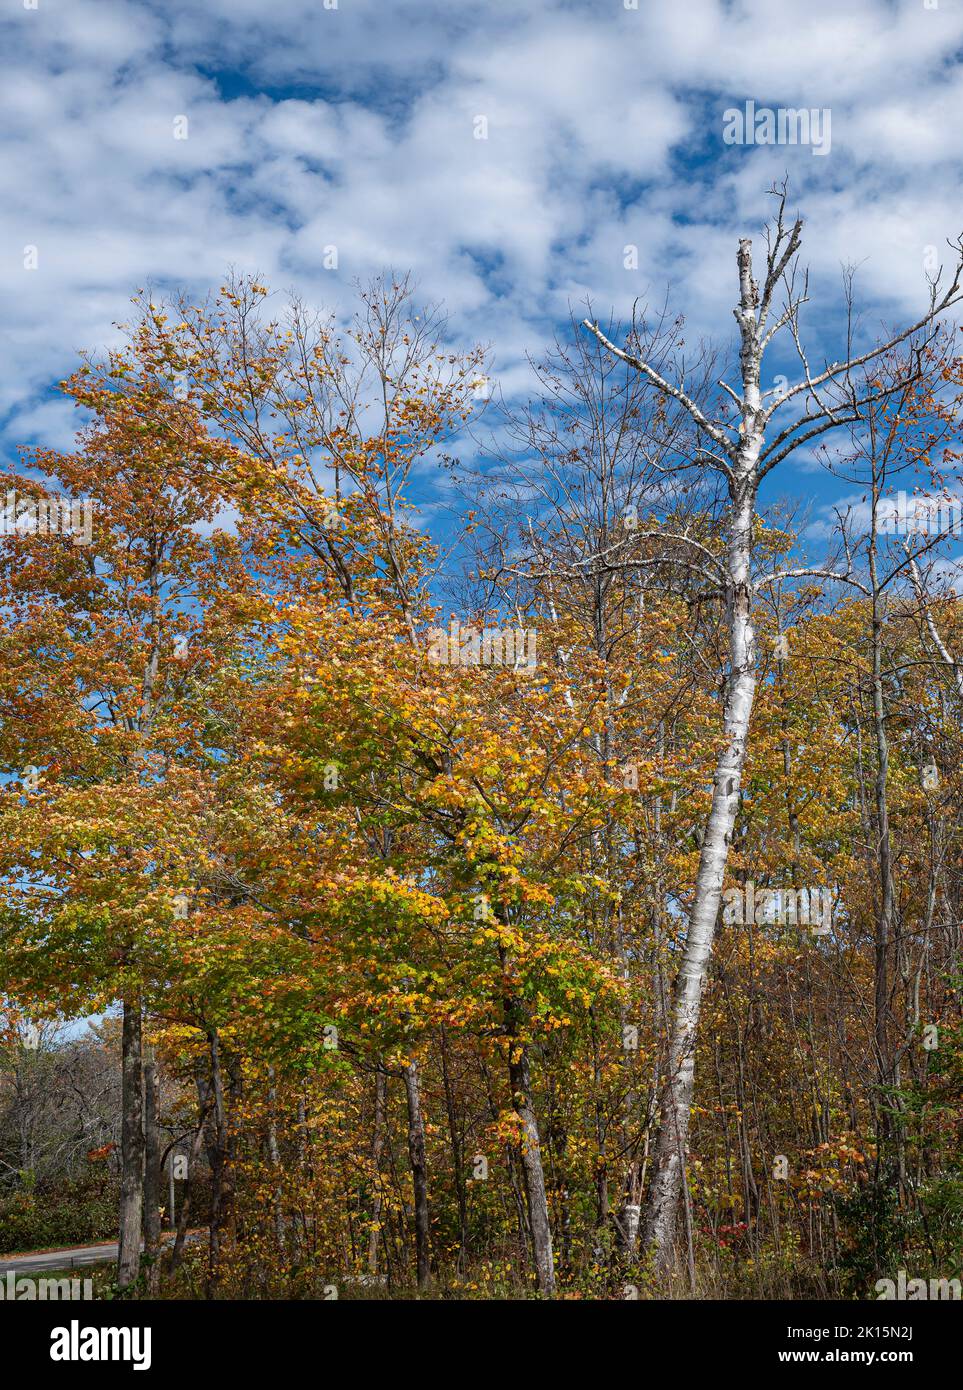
[[672, 1143]]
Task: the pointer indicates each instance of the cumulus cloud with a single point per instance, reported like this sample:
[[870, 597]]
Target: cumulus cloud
[[309, 125]]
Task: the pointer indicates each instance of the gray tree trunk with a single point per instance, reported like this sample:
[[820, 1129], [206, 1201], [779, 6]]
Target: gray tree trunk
[[131, 1146], [532, 1170], [184, 1215], [152, 1164], [419, 1172]]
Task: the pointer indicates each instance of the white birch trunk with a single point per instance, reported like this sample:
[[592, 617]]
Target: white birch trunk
[[672, 1144]]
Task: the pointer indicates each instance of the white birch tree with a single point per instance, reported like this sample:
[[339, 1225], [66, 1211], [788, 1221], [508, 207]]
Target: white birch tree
[[745, 455]]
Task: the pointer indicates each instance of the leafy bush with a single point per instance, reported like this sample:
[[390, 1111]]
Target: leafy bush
[[71, 1212]]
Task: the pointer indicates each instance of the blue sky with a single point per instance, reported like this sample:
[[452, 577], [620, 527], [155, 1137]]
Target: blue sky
[[311, 125]]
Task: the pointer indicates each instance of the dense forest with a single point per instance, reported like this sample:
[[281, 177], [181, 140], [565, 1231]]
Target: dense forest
[[566, 906]]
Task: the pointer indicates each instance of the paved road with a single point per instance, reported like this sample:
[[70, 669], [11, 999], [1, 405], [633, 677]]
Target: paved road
[[73, 1258]]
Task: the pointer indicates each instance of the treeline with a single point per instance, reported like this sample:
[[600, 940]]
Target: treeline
[[59, 1131]]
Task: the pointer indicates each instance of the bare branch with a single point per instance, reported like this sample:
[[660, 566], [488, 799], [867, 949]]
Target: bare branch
[[660, 382], [937, 307]]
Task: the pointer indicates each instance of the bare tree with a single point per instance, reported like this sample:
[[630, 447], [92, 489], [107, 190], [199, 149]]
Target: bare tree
[[745, 456]]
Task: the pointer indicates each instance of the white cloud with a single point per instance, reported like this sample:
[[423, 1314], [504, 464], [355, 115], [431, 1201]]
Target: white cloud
[[355, 127]]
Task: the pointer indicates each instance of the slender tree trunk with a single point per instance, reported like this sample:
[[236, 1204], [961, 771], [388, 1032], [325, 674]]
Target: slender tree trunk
[[533, 1174], [131, 1146], [377, 1144], [672, 1143], [184, 1215], [532, 1170], [419, 1171], [274, 1158], [792, 814], [626, 1220], [219, 1154], [890, 1128], [457, 1154], [884, 917], [152, 1165]]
